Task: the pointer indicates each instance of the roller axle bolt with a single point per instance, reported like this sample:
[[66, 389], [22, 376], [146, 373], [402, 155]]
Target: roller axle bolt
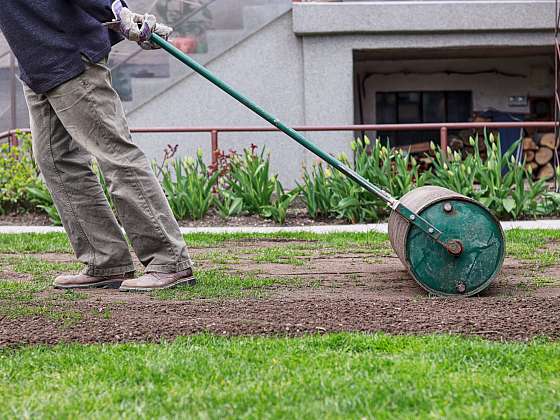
[[447, 207], [454, 247]]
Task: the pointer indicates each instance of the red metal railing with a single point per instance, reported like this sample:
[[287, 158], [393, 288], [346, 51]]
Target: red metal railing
[[443, 129]]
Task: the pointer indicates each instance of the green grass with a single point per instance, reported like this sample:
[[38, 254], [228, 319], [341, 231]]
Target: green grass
[[18, 297], [42, 273], [280, 255], [521, 243], [66, 317], [34, 242], [58, 242], [530, 245], [544, 281], [333, 376], [212, 284], [220, 257]]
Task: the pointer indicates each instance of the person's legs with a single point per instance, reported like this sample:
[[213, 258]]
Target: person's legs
[[91, 112], [87, 218]]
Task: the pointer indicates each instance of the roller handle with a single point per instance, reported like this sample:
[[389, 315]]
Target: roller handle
[[405, 212]]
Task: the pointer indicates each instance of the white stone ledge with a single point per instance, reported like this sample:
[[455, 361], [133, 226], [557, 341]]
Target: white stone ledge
[[378, 227], [422, 16]]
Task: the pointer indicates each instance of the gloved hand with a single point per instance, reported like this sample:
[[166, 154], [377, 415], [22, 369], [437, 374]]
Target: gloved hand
[[160, 29], [136, 27]]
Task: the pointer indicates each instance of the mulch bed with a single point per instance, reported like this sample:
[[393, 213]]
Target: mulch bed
[[27, 219], [295, 217]]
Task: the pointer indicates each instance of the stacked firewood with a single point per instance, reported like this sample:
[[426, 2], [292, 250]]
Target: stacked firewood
[[538, 151]]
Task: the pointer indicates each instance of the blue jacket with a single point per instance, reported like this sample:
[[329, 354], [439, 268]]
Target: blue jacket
[[49, 36]]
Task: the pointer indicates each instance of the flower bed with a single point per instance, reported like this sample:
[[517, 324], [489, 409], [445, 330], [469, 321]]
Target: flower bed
[[242, 184]]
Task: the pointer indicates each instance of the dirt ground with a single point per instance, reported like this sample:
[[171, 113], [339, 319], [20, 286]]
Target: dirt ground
[[321, 290]]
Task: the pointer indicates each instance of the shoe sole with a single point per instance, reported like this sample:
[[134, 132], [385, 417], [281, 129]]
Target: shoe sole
[[106, 284], [189, 281]]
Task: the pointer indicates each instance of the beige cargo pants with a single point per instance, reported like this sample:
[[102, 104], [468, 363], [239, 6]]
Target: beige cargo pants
[[84, 119]]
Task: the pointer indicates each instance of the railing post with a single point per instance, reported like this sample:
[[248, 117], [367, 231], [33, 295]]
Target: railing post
[[443, 141], [13, 87], [12, 138], [215, 146]]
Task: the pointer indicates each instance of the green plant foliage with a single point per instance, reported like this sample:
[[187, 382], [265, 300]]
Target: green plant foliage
[[350, 201], [453, 172], [17, 174], [498, 181], [394, 170], [550, 205], [330, 193], [278, 209], [42, 199], [316, 191], [189, 188], [243, 183], [250, 180], [227, 204]]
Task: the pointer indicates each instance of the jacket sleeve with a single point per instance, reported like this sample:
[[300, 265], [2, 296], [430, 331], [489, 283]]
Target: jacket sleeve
[[99, 9]]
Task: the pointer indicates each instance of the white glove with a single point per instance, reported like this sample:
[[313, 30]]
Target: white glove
[[159, 29], [133, 26]]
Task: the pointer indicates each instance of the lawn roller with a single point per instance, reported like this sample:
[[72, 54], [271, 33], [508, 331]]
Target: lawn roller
[[450, 244]]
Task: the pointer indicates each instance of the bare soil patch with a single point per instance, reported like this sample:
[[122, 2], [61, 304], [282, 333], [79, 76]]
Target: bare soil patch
[[335, 291]]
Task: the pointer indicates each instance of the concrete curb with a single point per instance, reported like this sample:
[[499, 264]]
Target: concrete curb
[[380, 227]]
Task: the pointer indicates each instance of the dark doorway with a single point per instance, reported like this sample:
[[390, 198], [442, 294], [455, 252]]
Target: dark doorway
[[420, 107]]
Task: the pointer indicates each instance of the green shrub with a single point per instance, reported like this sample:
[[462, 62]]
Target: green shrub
[[189, 188], [227, 204], [317, 193], [42, 199], [499, 182], [250, 180], [17, 174], [327, 192], [278, 209], [394, 170]]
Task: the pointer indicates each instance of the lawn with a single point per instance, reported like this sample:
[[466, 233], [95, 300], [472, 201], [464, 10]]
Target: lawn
[[331, 376], [335, 375]]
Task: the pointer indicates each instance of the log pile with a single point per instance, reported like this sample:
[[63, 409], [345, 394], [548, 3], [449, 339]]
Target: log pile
[[539, 154]]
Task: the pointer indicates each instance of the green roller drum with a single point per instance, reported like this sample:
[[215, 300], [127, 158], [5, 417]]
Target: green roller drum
[[451, 244], [459, 218]]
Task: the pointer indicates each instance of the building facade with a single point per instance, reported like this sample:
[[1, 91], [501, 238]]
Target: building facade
[[325, 63]]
